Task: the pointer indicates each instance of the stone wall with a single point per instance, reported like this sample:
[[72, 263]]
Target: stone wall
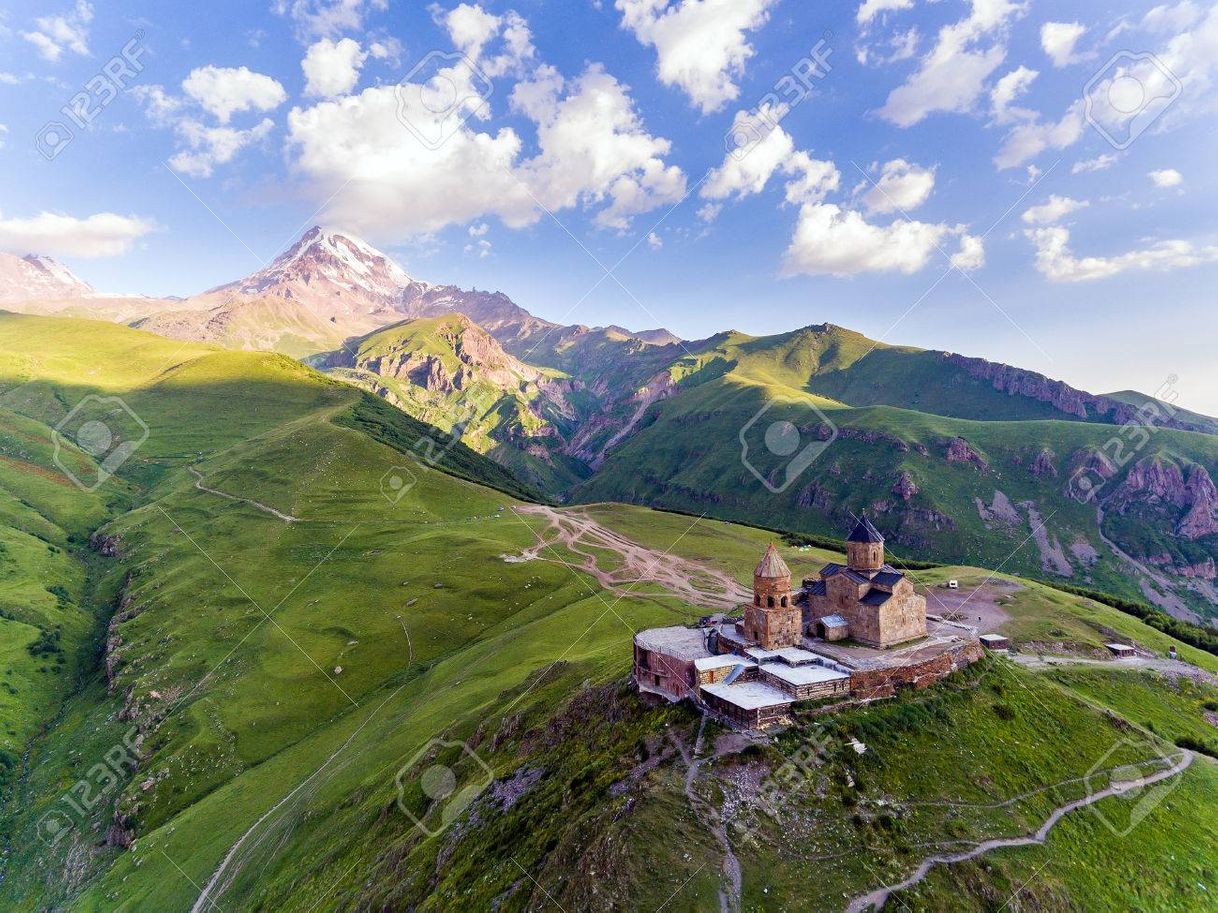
[[773, 628], [876, 683], [654, 671]]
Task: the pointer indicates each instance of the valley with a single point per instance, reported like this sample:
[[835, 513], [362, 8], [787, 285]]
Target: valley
[[278, 675], [963, 459]]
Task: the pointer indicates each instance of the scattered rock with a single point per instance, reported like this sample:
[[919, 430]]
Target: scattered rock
[[904, 487], [960, 451]]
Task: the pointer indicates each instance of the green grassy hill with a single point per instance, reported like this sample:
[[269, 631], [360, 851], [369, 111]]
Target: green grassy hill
[[958, 459], [283, 631]]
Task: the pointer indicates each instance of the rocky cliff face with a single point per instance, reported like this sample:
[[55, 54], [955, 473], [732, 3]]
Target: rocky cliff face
[[1058, 394], [1160, 482]]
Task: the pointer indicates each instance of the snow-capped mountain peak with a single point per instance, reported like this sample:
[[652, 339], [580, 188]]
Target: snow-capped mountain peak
[[35, 277], [323, 258]]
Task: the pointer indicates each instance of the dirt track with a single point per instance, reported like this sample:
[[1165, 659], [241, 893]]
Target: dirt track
[[877, 898], [578, 533]]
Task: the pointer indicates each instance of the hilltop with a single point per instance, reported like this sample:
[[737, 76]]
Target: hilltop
[[285, 634]]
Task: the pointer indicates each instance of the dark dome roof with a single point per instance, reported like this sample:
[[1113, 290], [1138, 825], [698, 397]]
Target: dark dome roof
[[864, 532]]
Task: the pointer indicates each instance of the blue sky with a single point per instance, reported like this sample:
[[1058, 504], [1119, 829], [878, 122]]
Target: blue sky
[[943, 182]]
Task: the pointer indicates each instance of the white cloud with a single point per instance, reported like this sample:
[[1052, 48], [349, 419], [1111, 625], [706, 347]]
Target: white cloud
[[1170, 19], [224, 91], [1052, 210], [971, 254], [869, 9], [951, 77], [701, 45], [812, 179], [1099, 163], [1009, 88], [745, 172], [902, 186], [327, 18], [1057, 262], [332, 68], [207, 147], [838, 242], [1058, 40], [478, 230], [1177, 82], [654, 241], [1166, 177], [593, 152], [66, 32], [480, 248], [893, 49], [105, 234], [3, 134], [471, 28], [1030, 139], [708, 212]]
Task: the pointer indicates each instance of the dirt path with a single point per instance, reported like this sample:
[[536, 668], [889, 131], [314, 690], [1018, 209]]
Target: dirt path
[[1155, 663], [574, 530], [729, 895], [877, 898], [232, 865], [286, 518]]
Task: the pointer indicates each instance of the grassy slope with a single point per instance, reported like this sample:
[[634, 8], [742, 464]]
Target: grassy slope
[[253, 709], [499, 421], [689, 457]]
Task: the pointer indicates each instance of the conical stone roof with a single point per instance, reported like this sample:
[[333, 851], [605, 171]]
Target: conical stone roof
[[772, 565]]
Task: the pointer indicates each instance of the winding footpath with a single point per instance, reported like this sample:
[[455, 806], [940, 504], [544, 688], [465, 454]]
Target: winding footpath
[[695, 583], [729, 895], [286, 518], [877, 898]]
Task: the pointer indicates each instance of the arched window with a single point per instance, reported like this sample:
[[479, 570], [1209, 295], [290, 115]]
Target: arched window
[[756, 599], [784, 602], [769, 601]]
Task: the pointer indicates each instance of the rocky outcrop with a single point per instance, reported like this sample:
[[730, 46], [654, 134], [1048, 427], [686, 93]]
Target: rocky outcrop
[[121, 832], [1059, 395], [904, 487], [1042, 464], [1162, 482], [1000, 510], [108, 546], [960, 451], [824, 432]]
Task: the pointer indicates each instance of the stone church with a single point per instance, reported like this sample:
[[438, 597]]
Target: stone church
[[864, 600]]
